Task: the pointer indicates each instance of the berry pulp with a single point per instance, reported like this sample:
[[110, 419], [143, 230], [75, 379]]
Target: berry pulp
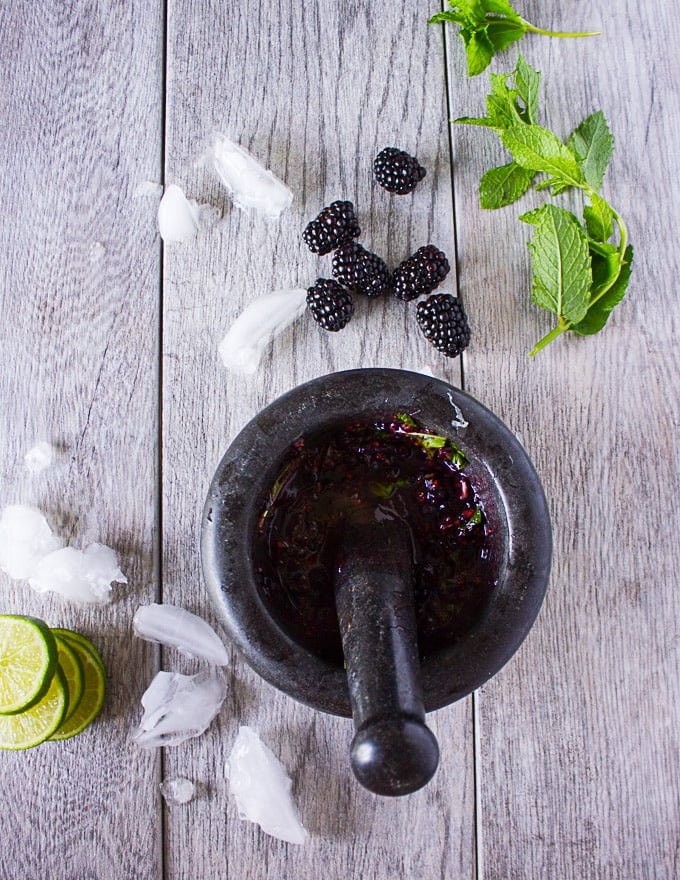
[[384, 468]]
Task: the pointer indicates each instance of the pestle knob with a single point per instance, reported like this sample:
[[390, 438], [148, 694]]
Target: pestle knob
[[393, 752]]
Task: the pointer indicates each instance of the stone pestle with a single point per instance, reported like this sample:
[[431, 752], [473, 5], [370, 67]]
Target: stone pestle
[[393, 751]]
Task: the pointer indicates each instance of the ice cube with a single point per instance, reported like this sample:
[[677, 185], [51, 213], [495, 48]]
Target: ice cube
[[177, 790], [249, 183], [180, 629], [180, 219], [257, 325], [39, 457], [81, 575], [178, 707], [262, 788], [25, 539]]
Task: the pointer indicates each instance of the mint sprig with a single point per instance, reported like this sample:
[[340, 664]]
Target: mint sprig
[[489, 26], [580, 270]]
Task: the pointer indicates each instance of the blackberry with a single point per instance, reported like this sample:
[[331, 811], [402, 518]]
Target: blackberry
[[420, 274], [335, 225], [359, 270], [443, 321], [330, 304], [396, 171]]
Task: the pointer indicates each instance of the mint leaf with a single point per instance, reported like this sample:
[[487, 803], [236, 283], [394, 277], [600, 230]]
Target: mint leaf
[[501, 105], [528, 83], [429, 441], [487, 27], [483, 121], [561, 264], [504, 33], [532, 217], [448, 15], [598, 313], [538, 149], [504, 185], [593, 144], [599, 219], [500, 7], [478, 48]]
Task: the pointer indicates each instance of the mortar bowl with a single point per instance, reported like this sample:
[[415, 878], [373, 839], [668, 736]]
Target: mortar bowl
[[500, 471]]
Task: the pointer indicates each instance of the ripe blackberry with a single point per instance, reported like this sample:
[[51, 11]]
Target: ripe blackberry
[[443, 321], [396, 171], [420, 274], [359, 270], [330, 304], [335, 225]]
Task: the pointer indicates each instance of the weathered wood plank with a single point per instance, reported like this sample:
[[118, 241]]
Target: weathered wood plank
[[81, 96], [314, 90], [579, 734]]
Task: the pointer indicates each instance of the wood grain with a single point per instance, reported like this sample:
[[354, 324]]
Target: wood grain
[[314, 91], [81, 105], [565, 765], [579, 734]]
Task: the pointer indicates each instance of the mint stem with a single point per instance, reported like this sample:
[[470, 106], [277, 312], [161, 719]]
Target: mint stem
[[536, 30], [548, 338]]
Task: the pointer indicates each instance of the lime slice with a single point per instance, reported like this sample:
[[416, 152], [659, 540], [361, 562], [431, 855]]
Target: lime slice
[[28, 659], [77, 640], [72, 667], [92, 699], [24, 730]]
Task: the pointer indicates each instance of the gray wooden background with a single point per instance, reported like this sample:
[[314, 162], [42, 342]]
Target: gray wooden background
[[566, 764]]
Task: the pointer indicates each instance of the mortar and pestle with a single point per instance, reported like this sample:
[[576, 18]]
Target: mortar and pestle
[[377, 627]]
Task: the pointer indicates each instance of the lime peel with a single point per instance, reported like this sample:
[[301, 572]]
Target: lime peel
[[28, 659]]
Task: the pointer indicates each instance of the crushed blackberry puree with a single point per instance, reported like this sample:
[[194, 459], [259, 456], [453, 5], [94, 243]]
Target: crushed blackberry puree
[[389, 468]]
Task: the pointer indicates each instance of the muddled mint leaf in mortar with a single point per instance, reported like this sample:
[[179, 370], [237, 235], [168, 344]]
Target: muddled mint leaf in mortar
[[593, 144], [386, 490], [490, 26]]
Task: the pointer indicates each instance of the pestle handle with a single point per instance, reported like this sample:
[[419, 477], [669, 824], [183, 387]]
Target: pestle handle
[[393, 752]]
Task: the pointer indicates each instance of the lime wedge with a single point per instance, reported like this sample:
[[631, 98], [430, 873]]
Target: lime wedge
[[92, 699], [23, 730], [28, 659], [71, 666]]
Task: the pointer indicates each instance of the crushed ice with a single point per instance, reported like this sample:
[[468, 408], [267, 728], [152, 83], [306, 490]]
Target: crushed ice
[[179, 218], [30, 549], [179, 628], [262, 788], [81, 575], [178, 707], [39, 457], [177, 790], [25, 538], [250, 184], [257, 325]]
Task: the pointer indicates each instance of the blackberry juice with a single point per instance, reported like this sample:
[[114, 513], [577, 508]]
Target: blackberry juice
[[387, 468]]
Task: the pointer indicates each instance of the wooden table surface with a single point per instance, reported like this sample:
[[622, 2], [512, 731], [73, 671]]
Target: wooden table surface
[[565, 765]]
